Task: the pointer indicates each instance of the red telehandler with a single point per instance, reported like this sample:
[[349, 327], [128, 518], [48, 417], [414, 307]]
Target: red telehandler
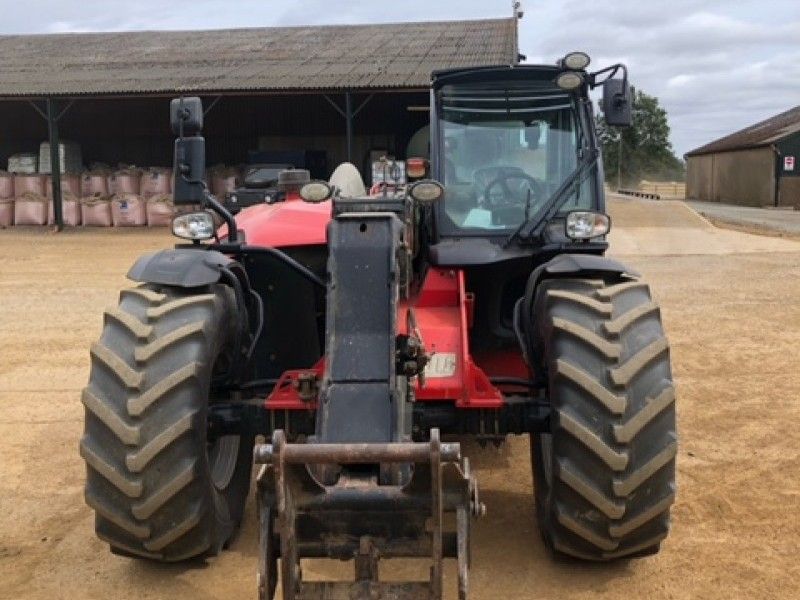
[[358, 336]]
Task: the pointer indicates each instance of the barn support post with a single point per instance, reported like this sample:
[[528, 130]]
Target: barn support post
[[55, 163], [52, 117], [349, 115], [348, 110]]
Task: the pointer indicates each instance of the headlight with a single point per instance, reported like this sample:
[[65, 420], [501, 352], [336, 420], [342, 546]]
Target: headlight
[[315, 192], [586, 224], [194, 226], [569, 80], [426, 190], [577, 61]]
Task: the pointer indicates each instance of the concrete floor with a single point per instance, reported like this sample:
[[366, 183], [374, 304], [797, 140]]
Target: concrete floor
[[777, 220]]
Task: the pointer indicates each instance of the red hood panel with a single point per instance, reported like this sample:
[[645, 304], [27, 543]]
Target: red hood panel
[[289, 223]]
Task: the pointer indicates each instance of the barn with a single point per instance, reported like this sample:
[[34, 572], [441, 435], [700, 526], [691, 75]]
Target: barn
[[308, 96], [757, 166]]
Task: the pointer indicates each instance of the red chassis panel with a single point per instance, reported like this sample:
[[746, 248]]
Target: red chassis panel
[[443, 310]]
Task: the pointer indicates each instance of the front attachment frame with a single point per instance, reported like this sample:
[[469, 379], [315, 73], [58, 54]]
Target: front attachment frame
[[357, 518]]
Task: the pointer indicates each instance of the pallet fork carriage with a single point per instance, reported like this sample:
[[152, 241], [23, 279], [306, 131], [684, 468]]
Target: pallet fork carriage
[[360, 336], [357, 519]]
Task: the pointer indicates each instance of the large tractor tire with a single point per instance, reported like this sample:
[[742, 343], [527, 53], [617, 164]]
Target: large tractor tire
[[159, 487], [604, 476]]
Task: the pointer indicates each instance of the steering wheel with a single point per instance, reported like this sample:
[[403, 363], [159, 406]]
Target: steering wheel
[[501, 180]]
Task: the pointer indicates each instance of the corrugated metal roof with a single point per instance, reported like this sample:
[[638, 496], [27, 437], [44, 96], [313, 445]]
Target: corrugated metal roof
[[400, 55], [761, 134]]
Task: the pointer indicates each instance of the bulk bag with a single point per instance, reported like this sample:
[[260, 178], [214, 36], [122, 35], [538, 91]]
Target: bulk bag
[[28, 184], [6, 212], [30, 209], [6, 185], [125, 181], [128, 210], [96, 211], [94, 183], [70, 210], [156, 182], [223, 180], [70, 185], [160, 211]]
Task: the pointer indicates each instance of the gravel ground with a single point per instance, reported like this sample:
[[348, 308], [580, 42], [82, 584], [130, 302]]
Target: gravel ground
[[733, 318]]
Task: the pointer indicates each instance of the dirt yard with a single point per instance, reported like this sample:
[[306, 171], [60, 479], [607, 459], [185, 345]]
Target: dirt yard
[[730, 303]]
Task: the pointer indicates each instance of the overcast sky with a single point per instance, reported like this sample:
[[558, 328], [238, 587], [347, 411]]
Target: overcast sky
[[716, 66]]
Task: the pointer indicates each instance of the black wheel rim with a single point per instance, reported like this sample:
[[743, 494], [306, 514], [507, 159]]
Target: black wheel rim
[[222, 458]]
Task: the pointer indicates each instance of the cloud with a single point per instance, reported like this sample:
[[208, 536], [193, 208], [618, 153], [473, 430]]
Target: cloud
[[715, 70], [716, 65]]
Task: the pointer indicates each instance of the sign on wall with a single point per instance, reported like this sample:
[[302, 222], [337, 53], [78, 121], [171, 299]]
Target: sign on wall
[[788, 163]]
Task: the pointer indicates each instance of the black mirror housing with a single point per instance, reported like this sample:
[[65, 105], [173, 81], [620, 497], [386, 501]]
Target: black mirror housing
[[617, 102], [186, 116], [190, 164]]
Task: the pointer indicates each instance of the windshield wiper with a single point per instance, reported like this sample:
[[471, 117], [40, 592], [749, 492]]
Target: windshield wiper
[[530, 225]]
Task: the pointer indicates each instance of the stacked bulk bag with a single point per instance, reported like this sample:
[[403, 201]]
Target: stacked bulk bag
[[126, 180], [70, 210], [160, 210], [30, 202], [224, 180], [6, 184], [94, 182], [28, 184], [30, 208], [70, 203], [6, 212], [70, 184], [6, 199], [96, 210], [156, 181], [128, 210]]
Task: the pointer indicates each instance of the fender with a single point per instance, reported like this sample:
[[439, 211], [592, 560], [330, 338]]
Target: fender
[[563, 265], [195, 267], [184, 267]]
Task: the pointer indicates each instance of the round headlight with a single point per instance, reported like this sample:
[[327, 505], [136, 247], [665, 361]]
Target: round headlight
[[316, 191], [577, 61], [194, 226], [426, 190], [569, 80], [587, 224]]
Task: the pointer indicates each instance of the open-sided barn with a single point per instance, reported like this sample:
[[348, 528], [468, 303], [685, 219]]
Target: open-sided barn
[[312, 95]]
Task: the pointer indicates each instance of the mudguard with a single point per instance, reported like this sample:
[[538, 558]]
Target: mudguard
[[186, 268], [563, 265]]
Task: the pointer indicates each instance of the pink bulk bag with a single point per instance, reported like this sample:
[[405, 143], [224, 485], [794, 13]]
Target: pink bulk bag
[[160, 211], [128, 210], [96, 211], [30, 209]]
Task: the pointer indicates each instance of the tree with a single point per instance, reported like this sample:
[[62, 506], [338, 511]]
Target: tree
[[645, 147]]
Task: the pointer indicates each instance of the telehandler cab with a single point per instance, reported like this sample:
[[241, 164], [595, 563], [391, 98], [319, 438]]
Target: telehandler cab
[[358, 336]]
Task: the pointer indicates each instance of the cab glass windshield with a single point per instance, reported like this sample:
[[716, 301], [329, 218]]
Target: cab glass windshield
[[505, 152]]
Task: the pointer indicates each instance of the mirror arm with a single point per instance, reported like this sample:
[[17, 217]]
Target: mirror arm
[[593, 83], [214, 204]]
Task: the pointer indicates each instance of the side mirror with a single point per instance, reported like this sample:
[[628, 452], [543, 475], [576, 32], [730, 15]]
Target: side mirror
[[617, 102], [186, 118]]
